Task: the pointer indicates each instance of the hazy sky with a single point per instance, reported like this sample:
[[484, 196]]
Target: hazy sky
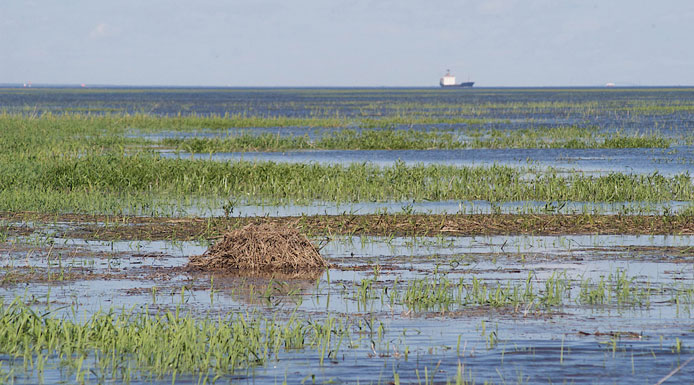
[[347, 42]]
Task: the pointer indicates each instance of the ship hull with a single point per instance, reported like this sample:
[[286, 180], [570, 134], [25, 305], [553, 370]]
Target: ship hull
[[463, 85]]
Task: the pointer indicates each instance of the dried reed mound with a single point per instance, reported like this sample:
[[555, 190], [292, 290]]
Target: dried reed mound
[[265, 248]]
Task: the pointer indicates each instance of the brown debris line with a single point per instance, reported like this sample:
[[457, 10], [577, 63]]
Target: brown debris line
[[22, 275], [132, 227], [615, 334], [14, 230], [267, 247]]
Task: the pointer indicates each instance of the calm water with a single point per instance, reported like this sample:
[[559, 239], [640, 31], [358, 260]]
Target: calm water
[[573, 343], [667, 162], [668, 112], [626, 109], [570, 341]]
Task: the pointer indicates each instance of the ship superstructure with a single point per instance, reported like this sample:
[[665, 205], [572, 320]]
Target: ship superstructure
[[447, 80]]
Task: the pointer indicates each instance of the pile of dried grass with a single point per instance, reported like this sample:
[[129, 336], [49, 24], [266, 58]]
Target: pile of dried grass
[[264, 248]]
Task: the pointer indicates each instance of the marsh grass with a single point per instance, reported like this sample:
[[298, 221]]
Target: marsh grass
[[116, 182], [268, 181], [346, 139], [87, 163], [85, 132], [439, 293], [570, 137], [92, 163], [147, 184], [133, 344], [339, 139]]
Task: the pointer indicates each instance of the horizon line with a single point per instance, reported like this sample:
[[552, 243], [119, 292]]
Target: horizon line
[[154, 86]]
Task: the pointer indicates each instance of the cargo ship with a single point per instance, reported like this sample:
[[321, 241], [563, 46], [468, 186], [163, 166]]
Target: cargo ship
[[448, 80]]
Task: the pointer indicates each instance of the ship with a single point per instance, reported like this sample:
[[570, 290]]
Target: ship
[[448, 80]]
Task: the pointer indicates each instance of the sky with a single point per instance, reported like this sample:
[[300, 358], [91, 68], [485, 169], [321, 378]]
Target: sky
[[352, 43]]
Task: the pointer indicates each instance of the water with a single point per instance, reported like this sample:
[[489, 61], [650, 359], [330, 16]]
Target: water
[[598, 107], [572, 342], [668, 162], [209, 208]]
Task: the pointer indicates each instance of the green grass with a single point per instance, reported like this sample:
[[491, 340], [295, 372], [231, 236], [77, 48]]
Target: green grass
[[561, 137], [341, 139], [105, 182], [59, 133], [100, 182], [439, 293], [84, 163], [125, 346], [567, 137]]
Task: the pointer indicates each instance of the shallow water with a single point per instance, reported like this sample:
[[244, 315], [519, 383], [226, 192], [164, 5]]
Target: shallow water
[[536, 349], [629, 342], [605, 108], [533, 344], [213, 208], [667, 162]]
